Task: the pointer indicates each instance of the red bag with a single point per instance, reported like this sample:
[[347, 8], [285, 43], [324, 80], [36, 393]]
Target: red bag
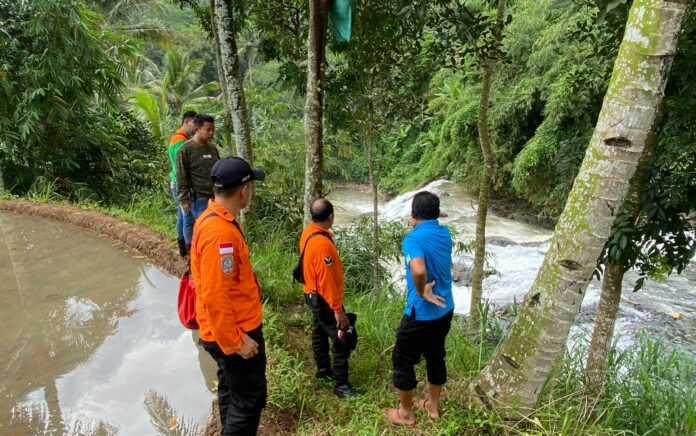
[[187, 302]]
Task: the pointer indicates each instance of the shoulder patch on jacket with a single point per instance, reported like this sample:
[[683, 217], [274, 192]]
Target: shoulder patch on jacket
[[328, 261], [227, 263]]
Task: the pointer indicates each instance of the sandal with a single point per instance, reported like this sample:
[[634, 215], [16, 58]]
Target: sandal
[[395, 418], [421, 404]]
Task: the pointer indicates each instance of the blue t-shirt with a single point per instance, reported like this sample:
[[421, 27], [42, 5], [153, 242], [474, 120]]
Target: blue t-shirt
[[432, 242]]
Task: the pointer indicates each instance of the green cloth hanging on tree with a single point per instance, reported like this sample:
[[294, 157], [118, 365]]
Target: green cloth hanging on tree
[[341, 19]]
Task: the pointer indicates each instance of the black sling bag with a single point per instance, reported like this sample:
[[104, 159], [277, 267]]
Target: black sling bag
[[297, 270]]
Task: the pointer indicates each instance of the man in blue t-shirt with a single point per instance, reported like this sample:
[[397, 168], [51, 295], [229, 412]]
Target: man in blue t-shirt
[[428, 313]]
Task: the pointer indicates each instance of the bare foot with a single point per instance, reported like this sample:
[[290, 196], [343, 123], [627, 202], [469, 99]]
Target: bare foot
[[424, 404], [400, 417]]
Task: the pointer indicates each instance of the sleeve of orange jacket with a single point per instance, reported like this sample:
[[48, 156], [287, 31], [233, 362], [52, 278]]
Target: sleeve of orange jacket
[[217, 281], [329, 271]]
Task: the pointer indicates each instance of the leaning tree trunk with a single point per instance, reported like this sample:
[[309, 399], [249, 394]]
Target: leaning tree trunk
[[227, 132], [376, 276], [484, 139], [610, 297], [517, 373], [224, 15], [314, 104]]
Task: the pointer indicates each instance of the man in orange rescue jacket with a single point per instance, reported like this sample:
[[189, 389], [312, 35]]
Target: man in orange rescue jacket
[[323, 288], [228, 298]]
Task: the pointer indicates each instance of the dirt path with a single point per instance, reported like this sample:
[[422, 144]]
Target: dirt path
[[156, 247]]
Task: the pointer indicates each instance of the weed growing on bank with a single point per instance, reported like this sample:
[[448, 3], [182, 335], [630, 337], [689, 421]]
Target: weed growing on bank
[[650, 388]]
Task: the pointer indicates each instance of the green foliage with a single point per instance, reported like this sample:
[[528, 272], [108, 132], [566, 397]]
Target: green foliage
[[62, 72], [649, 389]]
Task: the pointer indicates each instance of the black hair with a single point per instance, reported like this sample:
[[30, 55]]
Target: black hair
[[321, 209], [425, 206], [227, 192], [201, 119], [188, 115]]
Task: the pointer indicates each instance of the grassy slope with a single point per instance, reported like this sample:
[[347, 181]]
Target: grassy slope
[[648, 388]]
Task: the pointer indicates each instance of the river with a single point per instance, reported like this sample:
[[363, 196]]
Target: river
[[654, 308]]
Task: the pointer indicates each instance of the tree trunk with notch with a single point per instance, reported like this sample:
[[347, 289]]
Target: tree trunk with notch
[[610, 297], [513, 380]]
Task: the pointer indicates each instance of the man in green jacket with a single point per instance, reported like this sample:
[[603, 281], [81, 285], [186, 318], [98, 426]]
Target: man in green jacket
[[194, 160], [175, 142]]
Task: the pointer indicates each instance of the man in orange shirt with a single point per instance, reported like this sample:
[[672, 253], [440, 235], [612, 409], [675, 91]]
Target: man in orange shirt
[[228, 298], [323, 288], [175, 142]]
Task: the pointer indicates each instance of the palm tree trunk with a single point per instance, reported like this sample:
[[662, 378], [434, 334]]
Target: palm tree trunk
[[608, 308], [482, 210], [518, 371], [314, 104], [227, 132], [224, 15]]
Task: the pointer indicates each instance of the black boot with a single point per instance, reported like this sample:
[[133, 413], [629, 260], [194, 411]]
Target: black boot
[[183, 251], [344, 391], [324, 374]]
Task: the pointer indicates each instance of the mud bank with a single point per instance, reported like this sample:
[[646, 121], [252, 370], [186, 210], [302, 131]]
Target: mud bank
[[156, 247]]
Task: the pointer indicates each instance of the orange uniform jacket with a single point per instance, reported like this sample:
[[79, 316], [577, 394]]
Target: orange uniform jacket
[[322, 268], [228, 297]]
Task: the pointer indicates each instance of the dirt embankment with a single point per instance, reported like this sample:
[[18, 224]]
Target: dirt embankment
[[156, 247]]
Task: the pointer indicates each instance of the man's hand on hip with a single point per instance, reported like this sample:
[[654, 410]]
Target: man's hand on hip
[[250, 347], [342, 320], [432, 298], [186, 206]]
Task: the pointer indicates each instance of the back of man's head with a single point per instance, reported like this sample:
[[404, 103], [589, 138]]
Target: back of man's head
[[321, 210], [188, 115], [425, 206], [200, 120]]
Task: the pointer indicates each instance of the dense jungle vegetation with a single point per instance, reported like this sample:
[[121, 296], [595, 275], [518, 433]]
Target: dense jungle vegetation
[[91, 90]]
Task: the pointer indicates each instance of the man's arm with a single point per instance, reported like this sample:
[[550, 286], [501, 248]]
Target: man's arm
[[219, 307], [419, 274], [182, 179]]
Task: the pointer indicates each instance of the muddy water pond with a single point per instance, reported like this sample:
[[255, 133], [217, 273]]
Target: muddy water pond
[[90, 342]]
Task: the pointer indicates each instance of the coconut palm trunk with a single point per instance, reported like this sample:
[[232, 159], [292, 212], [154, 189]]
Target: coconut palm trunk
[[314, 104], [610, 297], [517, 373], [484, 187], [224, 21]]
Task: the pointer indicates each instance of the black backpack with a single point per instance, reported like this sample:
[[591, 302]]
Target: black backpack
[[297, 270]]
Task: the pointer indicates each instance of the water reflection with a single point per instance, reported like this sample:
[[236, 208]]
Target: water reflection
[[88, 332]]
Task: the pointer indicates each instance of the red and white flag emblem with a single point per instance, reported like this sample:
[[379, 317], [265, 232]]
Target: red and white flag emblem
[[226, 248]]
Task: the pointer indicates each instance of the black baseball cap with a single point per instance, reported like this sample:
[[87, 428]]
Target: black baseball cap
[[234, 171]]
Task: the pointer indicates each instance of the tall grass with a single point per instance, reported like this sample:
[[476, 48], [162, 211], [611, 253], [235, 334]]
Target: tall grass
[[649, 388]]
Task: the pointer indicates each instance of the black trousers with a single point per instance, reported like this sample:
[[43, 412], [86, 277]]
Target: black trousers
[[241, 386], [323, 329], [420, 338]]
